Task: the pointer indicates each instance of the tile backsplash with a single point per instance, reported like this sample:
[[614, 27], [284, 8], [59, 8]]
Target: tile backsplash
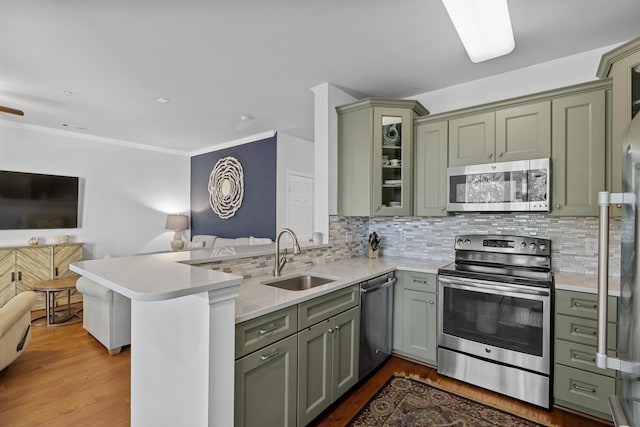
[[433, 238]]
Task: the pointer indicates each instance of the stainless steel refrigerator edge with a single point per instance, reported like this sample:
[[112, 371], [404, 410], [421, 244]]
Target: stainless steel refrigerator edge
[[625, 407], [376, 322]]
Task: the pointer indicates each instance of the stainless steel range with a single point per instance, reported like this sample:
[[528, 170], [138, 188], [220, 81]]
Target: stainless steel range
[[494, 315]]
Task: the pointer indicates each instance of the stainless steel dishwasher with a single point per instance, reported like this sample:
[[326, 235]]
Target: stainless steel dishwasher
[[376, 322]]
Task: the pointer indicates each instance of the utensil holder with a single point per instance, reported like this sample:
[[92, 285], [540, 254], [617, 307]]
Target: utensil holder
[[370, 252]]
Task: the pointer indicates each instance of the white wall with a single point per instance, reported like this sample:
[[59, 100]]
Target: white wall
[[326, 97], [296, 155], [125, 193], [549, 75]]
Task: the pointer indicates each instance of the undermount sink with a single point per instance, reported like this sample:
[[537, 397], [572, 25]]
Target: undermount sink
[[299, 282]]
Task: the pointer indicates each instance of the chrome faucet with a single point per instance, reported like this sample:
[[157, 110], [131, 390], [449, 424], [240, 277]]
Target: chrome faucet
[[280, 262]]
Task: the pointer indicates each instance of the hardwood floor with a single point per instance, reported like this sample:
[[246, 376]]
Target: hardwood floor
[[343, 410], [66, 378]]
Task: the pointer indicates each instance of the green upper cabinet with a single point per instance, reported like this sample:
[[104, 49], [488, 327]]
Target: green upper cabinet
[[375, 162], [431, 168], [472, 139], [622, 65], [518, 132], [578, 153]]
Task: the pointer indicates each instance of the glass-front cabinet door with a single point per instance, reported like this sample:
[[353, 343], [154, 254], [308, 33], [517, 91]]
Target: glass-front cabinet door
[[392, 162]]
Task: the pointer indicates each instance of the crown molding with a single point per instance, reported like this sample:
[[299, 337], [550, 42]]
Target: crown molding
[[89, 137], [234, 143]]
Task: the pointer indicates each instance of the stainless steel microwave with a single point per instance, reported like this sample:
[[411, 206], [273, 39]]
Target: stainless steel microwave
[[500, 187]]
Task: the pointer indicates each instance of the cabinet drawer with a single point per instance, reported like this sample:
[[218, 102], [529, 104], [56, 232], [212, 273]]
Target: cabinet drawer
[[581, 304], [321, 308], [583, 331], [588, 391], [264, 330], [424, 282], [580, 356]]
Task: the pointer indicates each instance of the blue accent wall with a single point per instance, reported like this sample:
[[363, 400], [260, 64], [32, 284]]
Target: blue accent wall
[[257, 215]]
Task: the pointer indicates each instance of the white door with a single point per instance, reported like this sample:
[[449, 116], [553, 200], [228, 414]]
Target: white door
[[300, 204]]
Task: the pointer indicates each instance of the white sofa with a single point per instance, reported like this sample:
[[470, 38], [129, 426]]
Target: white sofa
[[106, 315], [15, 326], [210, 241]]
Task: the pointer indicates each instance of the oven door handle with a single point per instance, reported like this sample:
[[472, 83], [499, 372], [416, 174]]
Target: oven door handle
[[473, 283]]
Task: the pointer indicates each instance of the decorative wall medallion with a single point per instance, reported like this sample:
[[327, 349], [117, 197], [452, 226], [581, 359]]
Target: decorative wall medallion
[[226, 187]]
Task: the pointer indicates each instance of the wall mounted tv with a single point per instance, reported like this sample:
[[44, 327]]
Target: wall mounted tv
[[37, 201]]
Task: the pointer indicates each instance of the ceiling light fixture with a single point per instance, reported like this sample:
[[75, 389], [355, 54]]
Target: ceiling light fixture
[[67, 93], [484, 27], [162, 100], [246, 117]]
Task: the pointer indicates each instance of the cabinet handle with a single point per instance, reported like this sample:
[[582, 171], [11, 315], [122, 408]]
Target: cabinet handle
[[19, 275], [55, 271], [585, 389], [579, 304], [13, 276], [273, 354], [580, 331], [490, 155], [500, 154], [586, 359], [424, 282], [271, 327]]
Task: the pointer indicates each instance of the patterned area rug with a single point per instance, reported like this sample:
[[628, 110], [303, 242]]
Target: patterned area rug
[[406, 402]]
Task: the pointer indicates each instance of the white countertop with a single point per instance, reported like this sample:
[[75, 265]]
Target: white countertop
[[256, 299], [585, 283], [154, 277], [170, 275]]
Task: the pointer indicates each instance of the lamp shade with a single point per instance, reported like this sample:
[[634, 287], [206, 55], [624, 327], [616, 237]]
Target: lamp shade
[[177, 222]]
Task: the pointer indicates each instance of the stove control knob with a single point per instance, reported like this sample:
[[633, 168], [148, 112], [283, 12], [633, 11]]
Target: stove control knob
[[459, 241], [532, 245], [543, 246], [467, 241], [523, 244]]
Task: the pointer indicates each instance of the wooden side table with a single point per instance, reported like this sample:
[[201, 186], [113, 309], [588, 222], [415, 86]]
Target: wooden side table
[[50, 288]]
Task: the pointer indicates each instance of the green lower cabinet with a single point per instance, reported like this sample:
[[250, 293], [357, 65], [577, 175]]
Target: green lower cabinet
[[415, 316], [266, 386], [584, 391], [577, 382], [328, 363]]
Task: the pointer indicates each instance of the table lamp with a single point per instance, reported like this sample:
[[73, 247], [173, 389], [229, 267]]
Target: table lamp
[[177, 223]]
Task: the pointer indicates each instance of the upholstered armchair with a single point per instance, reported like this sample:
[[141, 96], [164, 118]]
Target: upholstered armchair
[[106, 315], [15, 327]]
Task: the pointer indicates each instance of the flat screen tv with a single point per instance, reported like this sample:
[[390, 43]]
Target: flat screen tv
[[37, 201]]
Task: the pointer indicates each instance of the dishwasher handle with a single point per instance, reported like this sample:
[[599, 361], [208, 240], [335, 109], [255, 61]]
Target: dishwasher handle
[[375, 288]]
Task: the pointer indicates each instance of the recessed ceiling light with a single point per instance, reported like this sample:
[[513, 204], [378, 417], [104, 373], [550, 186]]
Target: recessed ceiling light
[[246, 117], [69, 125], [162, 100], [67, 93]]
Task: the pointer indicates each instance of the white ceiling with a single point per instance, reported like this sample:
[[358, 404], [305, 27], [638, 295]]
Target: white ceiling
[[217, 59]]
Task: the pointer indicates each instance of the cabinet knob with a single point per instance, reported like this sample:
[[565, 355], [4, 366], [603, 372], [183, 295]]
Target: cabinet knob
[[431, 302], [378, 208], [557, 206], [500, 154], [337, 328], [330, 331], [490, 155], [442, 208]]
